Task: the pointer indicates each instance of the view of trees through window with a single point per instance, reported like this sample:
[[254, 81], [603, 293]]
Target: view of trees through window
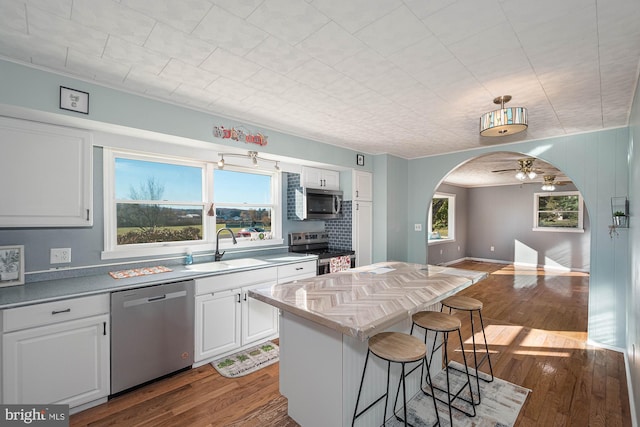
[[559, 211], [147, 207], [439, 218]]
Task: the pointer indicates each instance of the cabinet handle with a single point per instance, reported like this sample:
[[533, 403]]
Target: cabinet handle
[[357, 193], [239, 300], [245, 296], [299, 268], [87, 214], [68, 310], [104, 328]]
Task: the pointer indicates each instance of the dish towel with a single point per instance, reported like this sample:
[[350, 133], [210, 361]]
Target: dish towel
[[339, 263]]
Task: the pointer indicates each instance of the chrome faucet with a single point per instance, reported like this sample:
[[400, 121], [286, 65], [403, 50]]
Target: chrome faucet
[[218, 255]]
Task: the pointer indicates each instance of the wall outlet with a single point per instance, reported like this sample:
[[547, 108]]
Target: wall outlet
[[417, 227], [492, 249], [60, 256], [441, 251]]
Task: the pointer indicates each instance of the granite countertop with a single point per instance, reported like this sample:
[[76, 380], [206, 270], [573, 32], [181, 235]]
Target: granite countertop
[[53, 290], [362, 301]]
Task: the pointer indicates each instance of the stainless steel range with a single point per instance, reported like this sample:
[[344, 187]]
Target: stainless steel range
[[317, 243]]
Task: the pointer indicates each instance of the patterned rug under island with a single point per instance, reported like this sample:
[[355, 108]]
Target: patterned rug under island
[[500, 406]]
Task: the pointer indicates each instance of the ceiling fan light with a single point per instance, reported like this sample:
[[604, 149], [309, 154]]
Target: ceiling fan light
[[520, 175], [548, 187], [505, 121], [532, 175]]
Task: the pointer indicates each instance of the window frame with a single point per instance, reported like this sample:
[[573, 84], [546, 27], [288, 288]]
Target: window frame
[[451, 218], [112, 250], [536, 203]]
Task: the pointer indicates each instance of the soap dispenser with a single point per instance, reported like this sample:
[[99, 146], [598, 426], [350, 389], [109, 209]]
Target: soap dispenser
[[188, 258]]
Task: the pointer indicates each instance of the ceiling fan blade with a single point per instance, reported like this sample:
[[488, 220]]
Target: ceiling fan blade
[[506, 170]]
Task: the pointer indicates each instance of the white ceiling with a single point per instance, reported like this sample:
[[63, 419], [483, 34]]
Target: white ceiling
[[405, 77]]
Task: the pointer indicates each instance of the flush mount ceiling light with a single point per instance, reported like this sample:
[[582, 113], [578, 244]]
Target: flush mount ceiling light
[[251, 155], [505, 121]]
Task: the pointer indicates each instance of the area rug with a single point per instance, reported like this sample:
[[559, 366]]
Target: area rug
[[247, 361], [501, 402]]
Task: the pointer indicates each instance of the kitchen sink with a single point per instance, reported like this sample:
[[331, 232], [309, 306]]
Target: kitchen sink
[[226, 265]]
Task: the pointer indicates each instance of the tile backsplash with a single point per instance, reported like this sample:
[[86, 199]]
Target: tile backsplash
[[339, 229]]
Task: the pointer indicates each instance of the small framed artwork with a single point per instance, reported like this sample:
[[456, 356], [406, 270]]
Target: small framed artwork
[[74, 100], [360, 159], [11, 265]]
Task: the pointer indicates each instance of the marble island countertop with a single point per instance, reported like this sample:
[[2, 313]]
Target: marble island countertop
[[361, 301]]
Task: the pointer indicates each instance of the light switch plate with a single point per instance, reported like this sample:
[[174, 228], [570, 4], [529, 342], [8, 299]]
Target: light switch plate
[[417, 227]]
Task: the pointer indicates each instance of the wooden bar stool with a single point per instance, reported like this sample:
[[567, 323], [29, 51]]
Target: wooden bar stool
[[472, 305], [394, 347], [442, 323]]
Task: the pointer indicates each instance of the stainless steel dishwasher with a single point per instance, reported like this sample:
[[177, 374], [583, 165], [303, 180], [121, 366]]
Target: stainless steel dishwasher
[[151, 333]]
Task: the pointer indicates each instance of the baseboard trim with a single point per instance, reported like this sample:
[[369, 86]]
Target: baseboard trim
[[632, 407], [521, 264]]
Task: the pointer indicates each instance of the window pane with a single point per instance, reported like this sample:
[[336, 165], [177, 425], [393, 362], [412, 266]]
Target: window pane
[[143, 180], [150, 223], [241, 187], [243, 220], [439, 218], [558, 219]]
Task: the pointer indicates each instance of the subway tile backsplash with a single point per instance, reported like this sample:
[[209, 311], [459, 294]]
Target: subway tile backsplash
[[340, 229]]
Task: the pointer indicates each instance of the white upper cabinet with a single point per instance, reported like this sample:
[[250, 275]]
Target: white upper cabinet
[[362, 186], [320, 178], [47, 171]]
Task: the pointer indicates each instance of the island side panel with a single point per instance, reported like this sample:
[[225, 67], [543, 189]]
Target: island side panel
[[311, 371], [320, 372]]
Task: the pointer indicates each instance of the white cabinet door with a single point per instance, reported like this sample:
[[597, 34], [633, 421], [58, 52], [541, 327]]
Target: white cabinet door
[[50, 174], [217, 323], [363, 232], [259, 320], [362, 186], [320, 178], [64, 363]]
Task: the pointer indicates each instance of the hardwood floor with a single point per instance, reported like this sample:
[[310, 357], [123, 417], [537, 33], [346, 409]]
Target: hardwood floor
[[536, 325]]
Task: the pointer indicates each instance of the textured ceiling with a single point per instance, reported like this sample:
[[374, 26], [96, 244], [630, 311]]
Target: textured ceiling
[[405, 77]]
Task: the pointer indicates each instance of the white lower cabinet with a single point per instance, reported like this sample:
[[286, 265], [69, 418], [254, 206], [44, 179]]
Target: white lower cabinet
[[217, 323], [227, 319], [56, 353]]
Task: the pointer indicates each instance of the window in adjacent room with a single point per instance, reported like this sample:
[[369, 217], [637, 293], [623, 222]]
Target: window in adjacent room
[[560, 211], [441, 224]]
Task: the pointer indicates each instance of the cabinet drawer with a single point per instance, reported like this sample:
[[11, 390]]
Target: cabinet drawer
[[54, 312], [222, 282], [301, 270]]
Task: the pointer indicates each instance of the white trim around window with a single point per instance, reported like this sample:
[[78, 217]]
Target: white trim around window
[[579, 228], [451, 215], [114, 251]]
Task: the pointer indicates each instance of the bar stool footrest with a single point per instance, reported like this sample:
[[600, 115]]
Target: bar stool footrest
[[455, 396], [475, 375]]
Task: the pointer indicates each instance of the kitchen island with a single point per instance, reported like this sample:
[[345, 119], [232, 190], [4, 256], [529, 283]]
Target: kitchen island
[[324, 326]]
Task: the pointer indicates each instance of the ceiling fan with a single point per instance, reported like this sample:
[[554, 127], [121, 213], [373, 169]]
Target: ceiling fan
[[524, 170], [550, 183]]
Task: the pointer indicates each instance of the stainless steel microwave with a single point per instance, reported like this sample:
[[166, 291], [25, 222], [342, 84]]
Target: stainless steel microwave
[[315, 203]]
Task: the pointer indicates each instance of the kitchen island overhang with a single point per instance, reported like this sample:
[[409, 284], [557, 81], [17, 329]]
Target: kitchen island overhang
[[324, 325]]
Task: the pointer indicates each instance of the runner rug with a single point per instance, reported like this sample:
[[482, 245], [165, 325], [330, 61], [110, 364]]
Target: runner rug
[[247, 361], [501, 403]]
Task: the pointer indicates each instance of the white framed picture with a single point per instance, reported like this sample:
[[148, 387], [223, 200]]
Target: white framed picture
[[11, 265], [74, 100]]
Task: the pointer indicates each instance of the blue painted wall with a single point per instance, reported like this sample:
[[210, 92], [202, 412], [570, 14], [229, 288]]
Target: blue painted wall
[[597, 163], [633, 289]]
